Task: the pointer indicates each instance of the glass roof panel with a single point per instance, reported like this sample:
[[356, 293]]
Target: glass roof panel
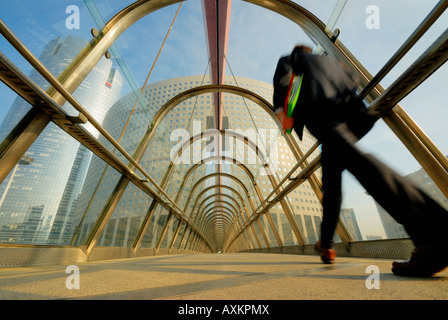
[[374, 33]]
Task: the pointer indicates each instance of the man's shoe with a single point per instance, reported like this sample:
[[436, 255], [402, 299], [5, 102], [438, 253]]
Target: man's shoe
[[425, 261], [326, 255]]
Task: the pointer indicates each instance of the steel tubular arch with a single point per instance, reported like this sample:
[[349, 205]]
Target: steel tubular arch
[[243, 206], [226, 175], [292, 143], [271, 176], [206, 210], [236, 180], [228, 159], [208, 220], [222, 186], [231, 215], [203, 179], [214, 158], [205, 215], [264, 104], [202, 192]]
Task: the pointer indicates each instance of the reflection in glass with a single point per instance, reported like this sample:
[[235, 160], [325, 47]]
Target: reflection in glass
[[41, 196]]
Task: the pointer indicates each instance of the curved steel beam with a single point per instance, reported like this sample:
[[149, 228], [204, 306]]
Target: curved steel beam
[[251, 176], [197, 213], [234, 213], [243, 206], [213, 216], [200, 211], [221, 186], [292, 143], [244, 167], [240, 183], [229, 133], [187, 94], [228, 159], [221, 228], [266, 106], [203, 179], [209, 159], [215, 174], [231, 214], [224, 216], [271, 176]]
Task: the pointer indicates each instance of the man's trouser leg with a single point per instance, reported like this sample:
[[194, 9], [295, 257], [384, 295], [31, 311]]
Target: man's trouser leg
[[332, 194], [423, 218]]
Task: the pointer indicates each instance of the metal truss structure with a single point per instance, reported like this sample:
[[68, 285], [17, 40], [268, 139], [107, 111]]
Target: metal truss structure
[[223, 221]]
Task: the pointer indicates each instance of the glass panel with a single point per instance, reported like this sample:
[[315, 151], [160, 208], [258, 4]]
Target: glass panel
[[179, 236], [99, 185], [258, 37], [129, 213], [44, 27], [41, 194], [11, 102], [286, 231], [155, 228], [367, 28]]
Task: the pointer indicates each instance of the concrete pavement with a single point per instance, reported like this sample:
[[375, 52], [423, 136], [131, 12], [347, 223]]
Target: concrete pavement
[[239, 276]]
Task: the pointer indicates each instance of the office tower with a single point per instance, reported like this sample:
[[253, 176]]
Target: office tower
[[45, 187], [392, 228], [349, 218], [422, 180], [182, 122]]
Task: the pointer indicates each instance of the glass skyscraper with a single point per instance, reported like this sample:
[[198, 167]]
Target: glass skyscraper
[[37, 196]]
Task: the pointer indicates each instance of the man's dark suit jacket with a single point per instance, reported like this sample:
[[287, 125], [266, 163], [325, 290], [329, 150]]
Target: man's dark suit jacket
[[325, 85]]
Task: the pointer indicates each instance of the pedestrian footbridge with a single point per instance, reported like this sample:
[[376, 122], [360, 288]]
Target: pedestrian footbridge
[[99, 201]]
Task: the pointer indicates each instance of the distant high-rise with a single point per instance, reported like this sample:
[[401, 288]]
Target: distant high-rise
[[422, 180], [349, 219], [28, 211], [392, 228]]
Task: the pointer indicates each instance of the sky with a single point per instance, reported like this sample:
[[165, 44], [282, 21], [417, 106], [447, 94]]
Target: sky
[[257, 38]]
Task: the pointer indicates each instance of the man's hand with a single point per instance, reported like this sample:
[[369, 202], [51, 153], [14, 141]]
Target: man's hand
[[280, 113]]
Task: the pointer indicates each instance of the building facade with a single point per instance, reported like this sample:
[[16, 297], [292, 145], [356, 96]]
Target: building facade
[[349, 218], [422, 180]]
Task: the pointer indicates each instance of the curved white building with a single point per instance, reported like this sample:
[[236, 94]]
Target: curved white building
[[185, 120]]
